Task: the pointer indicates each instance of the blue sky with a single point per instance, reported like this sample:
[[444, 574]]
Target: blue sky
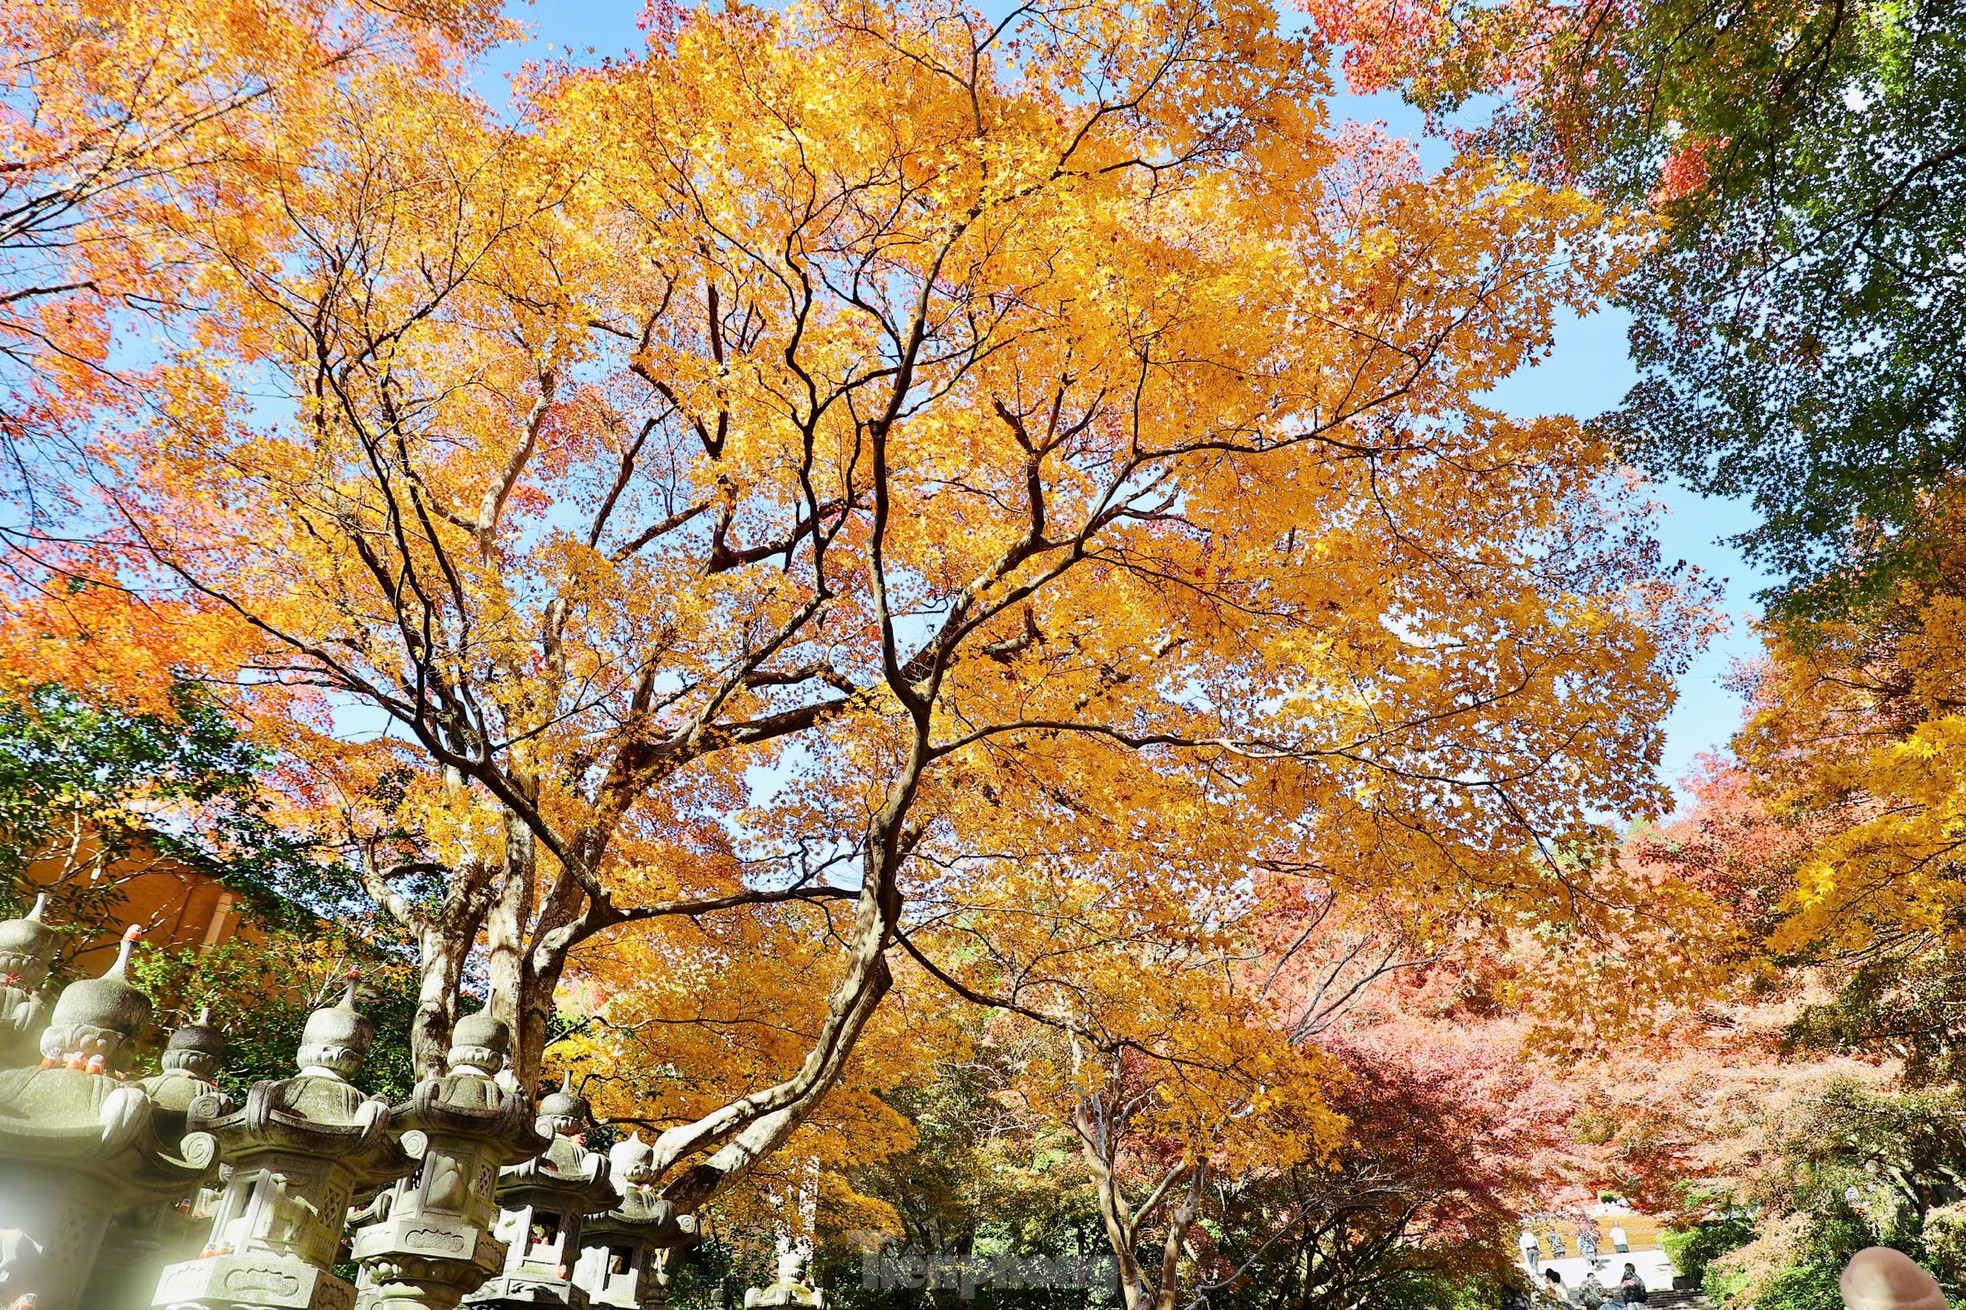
[[1587, 374]]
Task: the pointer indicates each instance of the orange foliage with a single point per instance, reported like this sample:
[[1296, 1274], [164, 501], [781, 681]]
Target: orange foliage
[[856, 476]]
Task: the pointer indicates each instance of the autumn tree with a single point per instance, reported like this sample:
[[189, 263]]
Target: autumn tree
[[1195, 1094], [1261, 1088], [1410, 1211], [120, 124], [986, 1180], [687, 1014], [853, 460], [116, 120], [988, 1206], [1307, 1103], [1807, 1109], [1753, 843], [1851, 747]]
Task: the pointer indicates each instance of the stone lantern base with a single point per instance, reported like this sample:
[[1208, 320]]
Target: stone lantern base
[[252, 1282], [423, 1262], [524, 1289]]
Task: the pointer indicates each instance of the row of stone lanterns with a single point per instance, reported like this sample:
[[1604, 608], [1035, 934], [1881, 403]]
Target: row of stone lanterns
[[164, 1194]]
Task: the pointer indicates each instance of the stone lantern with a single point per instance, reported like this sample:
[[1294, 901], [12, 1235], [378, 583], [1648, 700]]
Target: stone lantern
[[145, 1237], [191, 1062], [543, 1204], [27, 949], [300, 1152], [791, 1288], [625, 1252], [432, 1242], [78, 1143]]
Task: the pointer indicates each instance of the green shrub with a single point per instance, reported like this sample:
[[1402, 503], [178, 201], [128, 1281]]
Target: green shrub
[[1691, 1250]]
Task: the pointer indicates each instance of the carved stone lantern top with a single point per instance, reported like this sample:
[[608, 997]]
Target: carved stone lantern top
[[197, 1049], [468, 1100], [632, 1162], [27, 948], [76, 1112], [317, 1112], [564, 1113], [192, 1059], [480, 1044], [791, 1288], [335, 1040], [96, 1021], [576, 1177]]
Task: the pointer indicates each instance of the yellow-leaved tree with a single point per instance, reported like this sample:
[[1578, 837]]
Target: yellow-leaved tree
[[1856, 742], [855, 458], [115, 118], [125, 128]]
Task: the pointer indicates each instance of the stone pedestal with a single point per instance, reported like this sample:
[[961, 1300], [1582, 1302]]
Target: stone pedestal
[[78, 1144], [625, 1253], [300, 1152], [431, 1241], [141, 1243], [791, 1287], [144, 1238], [543, 1204]]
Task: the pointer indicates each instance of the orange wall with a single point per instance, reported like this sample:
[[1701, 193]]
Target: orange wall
[[177, 906]]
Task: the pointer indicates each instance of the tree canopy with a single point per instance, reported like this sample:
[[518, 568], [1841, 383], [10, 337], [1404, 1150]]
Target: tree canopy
[[853, 466], [1794, 323]]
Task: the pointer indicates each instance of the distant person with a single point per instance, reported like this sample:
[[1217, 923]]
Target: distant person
[[1557, 1251], [1587, 1239], [1532, 1251], [1631, 1288], [1618, 1242]]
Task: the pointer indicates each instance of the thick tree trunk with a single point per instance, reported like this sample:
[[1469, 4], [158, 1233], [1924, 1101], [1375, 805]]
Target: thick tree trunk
[[743, 1149], [506, 931], [1088, 1120], [535, 1016], [436, 1001], [1178, 1224], [750, 1128], [1124, 1225], [529, 943]]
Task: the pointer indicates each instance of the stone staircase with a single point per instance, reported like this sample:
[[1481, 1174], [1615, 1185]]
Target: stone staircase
[[1665, 1299]]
